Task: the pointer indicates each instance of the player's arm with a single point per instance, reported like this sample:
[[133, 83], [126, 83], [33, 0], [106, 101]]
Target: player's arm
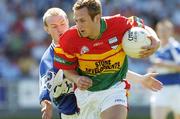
[[155, 42], [45, 102], [68, 62], [146, 80], [166, 64], [46, 106], [46, 109], [44, 97], [82, 82]]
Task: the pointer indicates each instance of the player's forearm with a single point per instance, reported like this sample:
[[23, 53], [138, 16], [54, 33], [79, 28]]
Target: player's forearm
[[72, 75], [167, 64], [135, 77], [172, 65]]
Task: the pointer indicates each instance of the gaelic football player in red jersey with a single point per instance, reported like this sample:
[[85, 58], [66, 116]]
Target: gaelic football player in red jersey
[[91, 55]]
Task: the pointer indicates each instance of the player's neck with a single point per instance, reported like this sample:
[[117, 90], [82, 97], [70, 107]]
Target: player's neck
[[55, 42], [95, 33], [164, 43]]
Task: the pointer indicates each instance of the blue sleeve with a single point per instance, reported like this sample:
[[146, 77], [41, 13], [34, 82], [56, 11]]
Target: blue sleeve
[[46, 74], [44, 95]]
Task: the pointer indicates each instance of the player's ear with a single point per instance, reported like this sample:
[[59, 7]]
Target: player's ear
[[97, 18], [46, 29]]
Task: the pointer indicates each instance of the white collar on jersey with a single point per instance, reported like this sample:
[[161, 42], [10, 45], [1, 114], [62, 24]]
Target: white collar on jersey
[[53, 44]]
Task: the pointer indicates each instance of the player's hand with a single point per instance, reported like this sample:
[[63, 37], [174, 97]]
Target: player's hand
[[83, 82], [149, 50], [46, 109], [150, 82]]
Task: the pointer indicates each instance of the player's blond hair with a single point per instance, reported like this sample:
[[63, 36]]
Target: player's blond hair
[[93, 6], [166, 23], [53, 12]]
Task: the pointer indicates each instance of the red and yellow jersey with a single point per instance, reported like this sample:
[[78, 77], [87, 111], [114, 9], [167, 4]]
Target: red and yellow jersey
[[102, 59]]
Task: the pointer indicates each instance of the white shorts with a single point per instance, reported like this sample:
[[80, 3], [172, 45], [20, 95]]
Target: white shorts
[[168, 97], [91, 104], [74, 116]]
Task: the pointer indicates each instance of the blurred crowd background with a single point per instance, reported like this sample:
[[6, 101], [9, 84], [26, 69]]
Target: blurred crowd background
[[23, 40]]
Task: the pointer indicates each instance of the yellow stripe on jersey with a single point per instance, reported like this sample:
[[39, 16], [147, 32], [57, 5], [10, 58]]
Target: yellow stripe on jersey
[[99, 56], [108, 62], [60, 51]]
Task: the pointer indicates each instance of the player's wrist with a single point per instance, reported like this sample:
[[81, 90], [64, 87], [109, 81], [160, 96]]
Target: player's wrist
[[77, 80], [142, 79]]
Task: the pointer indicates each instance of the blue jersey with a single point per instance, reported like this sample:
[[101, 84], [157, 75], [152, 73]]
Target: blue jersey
[[65, 103], [170, 53]]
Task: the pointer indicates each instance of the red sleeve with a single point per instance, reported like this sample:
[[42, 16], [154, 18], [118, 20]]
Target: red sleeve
[[135, 21], [125, 23], [64, 57]]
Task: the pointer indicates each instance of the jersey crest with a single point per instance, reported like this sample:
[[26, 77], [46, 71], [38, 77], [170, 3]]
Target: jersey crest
[[113, 42], [84, 50]]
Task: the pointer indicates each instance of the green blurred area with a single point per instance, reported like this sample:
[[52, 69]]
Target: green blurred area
[[134, 113]]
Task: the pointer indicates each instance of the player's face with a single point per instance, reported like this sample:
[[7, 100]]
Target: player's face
[[164, 32], [57, 25], [85, 24]]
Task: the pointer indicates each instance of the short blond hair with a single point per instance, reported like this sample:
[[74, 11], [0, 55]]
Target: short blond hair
[[165, 23], [53, 12]]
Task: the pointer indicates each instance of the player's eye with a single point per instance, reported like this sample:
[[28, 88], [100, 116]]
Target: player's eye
[[53, 27], [82, 20], [62, 24]]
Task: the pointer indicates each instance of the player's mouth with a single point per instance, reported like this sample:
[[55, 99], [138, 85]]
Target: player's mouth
[[82, 31], [60, 34]]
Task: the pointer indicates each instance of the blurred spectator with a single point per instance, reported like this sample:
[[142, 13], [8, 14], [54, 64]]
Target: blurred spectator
[[166, 62], [9, 70]]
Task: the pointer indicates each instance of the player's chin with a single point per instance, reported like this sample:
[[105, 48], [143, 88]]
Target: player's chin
[[84, 34]]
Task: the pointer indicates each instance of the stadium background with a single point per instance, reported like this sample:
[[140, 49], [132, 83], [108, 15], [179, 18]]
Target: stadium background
[[23, 41]]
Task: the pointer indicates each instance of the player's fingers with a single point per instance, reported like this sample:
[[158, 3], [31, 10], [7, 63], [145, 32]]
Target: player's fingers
[[43, 109], [146, 51], [153, 74], [86, 81], [44, 116], [157, 85], [152, 47], [84, 86], [154, 89], [144, 54], [153, 42]]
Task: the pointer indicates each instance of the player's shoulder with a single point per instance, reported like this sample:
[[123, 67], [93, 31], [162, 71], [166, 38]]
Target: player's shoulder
[[70, 33], [114, 18], [48, 55], [116, 21], [48, 52], [69, 37]]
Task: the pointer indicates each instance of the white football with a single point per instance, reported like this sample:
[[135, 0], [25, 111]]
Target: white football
[[133, 41], [61, 85]]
